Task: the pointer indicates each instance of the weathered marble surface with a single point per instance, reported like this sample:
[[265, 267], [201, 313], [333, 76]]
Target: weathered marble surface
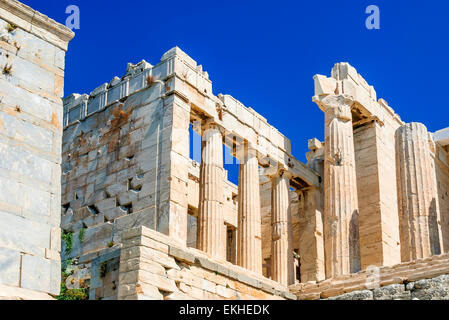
[[31, 117]]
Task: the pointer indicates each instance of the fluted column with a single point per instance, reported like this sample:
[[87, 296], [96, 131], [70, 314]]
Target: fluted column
[[341, 243], [211, 232], [311, 244], [281, 248], [249, 251], [419, 215]]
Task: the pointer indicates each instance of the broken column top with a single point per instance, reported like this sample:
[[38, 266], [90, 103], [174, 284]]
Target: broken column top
[[314, 144], [346, 80]]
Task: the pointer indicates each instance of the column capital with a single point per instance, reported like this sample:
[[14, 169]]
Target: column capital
[[336, 106], [277, 171], [245, 151], [211, 124]]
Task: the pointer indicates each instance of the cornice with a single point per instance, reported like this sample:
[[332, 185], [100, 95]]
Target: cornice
[[29, 19]]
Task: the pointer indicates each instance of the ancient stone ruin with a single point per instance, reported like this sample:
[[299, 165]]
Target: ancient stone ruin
[[367, 217]]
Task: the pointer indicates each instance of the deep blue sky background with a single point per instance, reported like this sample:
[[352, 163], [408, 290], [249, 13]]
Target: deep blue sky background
[[265, 53]]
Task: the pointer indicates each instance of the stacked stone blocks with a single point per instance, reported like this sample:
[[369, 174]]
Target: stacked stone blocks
[[32, 53], [154, 267]]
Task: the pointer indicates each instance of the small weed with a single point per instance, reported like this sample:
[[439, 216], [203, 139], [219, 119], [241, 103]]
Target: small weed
[[110, 244], [7, 70], [65, 265], [72, 294], [17, 46], [81, 234], [11, 27], [103, 269], [67, 236]]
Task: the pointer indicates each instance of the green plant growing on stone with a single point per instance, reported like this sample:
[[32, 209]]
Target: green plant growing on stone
[[81, 235], [67, 236], [103, 269], [11, 27], [71, 294], [110, 244], [66, 272]]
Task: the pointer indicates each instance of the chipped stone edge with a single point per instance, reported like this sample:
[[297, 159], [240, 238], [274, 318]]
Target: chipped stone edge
[[29, 19]]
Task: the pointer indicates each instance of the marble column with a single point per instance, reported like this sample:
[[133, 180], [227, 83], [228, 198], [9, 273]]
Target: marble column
[[249, 251], [211, 236], [311, 244], [281, 248], [420, 226], [341, 243]]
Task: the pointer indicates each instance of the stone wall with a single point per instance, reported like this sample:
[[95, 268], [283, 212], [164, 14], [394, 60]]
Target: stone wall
[[32, 53], [425, 289], [422, 279], [116, 165], [125, 164], [154, 267]]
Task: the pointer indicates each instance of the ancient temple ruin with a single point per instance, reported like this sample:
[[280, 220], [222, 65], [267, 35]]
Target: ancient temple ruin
[[373, 194], [367, 217]]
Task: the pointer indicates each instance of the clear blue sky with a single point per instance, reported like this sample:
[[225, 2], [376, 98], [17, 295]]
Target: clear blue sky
[[265, 53]]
